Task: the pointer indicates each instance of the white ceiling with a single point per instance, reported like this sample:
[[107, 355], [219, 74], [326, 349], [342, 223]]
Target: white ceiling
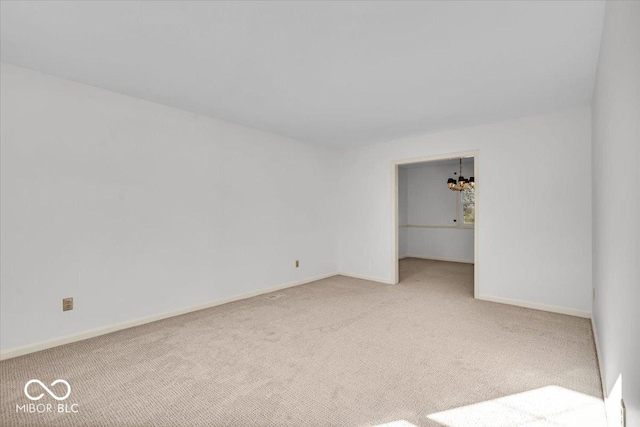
[[337, 73]]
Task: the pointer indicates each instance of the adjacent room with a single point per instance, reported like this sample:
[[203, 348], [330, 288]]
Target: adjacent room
[[350, 213], [436, 215]]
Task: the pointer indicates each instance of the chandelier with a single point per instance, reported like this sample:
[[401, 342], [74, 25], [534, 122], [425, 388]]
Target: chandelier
[[462, 183]]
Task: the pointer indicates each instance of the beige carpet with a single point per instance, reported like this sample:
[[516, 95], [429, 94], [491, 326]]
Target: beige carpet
[[339, 351]]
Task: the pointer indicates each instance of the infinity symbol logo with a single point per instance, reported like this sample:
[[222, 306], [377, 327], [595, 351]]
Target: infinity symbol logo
[[52, 394]]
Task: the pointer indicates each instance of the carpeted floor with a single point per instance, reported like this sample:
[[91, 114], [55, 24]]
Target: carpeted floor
[[339, 351]]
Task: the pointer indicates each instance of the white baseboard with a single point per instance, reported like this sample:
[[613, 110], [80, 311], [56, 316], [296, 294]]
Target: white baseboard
[[370, 278], [598, 353], [612, 403], [67, 339], [537, 306], [432, 258]]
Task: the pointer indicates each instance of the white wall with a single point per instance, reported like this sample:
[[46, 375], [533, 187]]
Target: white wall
[[136, 209], [616, 205], [448, 244], [429, 201], [534, 216]]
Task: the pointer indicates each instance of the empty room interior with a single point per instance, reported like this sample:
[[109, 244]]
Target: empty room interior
[[349, 213]]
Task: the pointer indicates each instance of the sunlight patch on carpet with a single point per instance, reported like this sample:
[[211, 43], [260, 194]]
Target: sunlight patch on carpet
[[547, 406], [398, 423]]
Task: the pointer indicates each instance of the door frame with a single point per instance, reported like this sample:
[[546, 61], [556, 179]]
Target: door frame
[[476, 227]]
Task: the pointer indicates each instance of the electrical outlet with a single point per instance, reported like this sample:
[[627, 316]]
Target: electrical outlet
[[297, 263], [67, 304]]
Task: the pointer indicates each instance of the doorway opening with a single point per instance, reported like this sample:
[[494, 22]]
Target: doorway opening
[[435, 218]]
